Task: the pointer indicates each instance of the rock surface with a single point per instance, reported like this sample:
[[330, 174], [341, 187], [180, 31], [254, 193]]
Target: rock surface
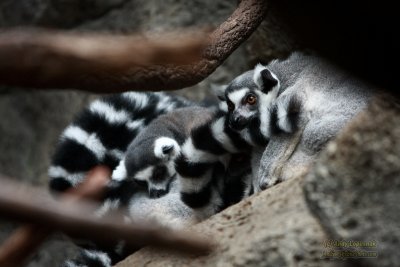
[[354, 187], [273, 228]]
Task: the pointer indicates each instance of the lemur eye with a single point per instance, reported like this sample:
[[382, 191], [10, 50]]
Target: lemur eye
[[231, 106], [251, 99]]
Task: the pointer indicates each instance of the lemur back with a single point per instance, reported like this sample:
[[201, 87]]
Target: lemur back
[[101, 133], [149, 159]]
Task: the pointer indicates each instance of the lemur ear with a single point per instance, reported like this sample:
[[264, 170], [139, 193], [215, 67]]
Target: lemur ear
[[219, 91], [265, 79], [165, 147]]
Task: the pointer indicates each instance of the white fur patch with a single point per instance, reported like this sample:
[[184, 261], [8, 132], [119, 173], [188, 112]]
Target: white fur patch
[[217, 129], [57, 171], [134, 125], [283, 121], [171, 168], [237, 96], [109, 113], [265, 121], [98, 255], [223, 106], [90, 141], [159, 185], [257, 75], [139, 99], [119, 172], [145, 174], [266, 102], [73, 178], [194, 155], [163, 142], [165, 104]]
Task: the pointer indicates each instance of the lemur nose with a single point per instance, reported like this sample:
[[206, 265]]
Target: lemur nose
[[238, 123]]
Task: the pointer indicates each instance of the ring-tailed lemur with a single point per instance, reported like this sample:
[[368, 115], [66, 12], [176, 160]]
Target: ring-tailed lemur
[[102, 132], [315, 101]]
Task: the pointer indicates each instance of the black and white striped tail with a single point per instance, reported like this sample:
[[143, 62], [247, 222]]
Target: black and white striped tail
[[102, 132], [201, 179], [93, 258]]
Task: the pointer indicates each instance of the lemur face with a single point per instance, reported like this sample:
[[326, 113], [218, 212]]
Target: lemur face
[[151, 165], [246, 94]]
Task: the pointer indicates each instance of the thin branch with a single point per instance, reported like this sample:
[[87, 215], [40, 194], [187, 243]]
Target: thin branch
[[60, 60], [55, 59], [35, 206], [24, 241]]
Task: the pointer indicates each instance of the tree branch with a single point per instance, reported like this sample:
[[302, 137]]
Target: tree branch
[[55, 59], [15, 251], [78, 220], [116, 64]]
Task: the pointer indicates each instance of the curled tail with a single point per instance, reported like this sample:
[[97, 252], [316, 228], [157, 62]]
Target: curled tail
[[101, 133]]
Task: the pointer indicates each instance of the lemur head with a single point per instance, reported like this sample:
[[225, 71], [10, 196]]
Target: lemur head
[[150, 163], [247, 94]]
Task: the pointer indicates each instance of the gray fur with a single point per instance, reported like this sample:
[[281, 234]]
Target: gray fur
[[328, 98], [167, 210], [176, 125]]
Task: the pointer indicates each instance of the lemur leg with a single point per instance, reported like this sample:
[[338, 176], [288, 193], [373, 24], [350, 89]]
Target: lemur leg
[[290, 154], [273, 160]]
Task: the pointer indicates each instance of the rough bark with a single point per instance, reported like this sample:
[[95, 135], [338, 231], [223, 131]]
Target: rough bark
[[108, 78]]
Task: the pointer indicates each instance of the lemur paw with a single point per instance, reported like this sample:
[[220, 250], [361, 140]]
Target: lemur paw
[[267, 183]]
